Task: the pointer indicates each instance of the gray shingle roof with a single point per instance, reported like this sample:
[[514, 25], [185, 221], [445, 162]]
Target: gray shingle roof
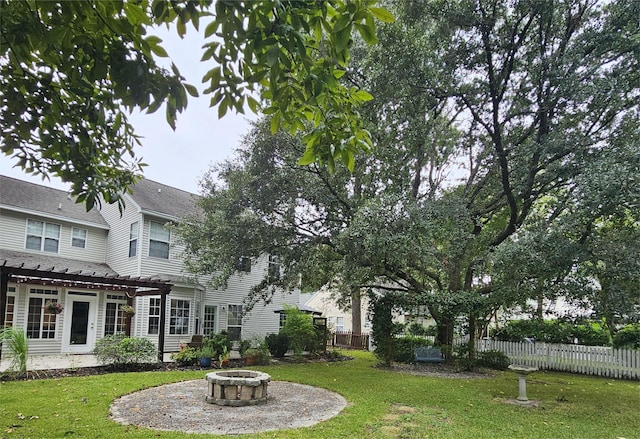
[[156, 197], [46, 261], [23, 195]]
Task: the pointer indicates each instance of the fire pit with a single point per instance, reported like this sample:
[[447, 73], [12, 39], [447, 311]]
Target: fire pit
[[237, 387]]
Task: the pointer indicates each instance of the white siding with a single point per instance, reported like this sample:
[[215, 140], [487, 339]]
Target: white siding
[[118, 242], [13, 233]]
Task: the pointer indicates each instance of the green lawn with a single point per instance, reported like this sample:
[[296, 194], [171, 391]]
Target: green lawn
[[382, 404]]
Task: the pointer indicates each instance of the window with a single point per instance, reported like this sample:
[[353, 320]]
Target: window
[[40, 322], [339, 323], [42, 236], [10, 308], [115, 320], [234, 322], [209, 320], [179, 318], [133, 239], [78, 238], [274, 268], [154, 316], [159, 239], [244, 264]]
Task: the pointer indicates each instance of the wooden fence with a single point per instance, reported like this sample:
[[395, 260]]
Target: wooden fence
[[589, 360], [346, 339]]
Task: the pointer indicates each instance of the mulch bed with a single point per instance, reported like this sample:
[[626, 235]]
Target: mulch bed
[[157, 367]]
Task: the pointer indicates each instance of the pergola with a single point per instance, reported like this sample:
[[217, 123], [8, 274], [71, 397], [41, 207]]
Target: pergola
[[63, 277]]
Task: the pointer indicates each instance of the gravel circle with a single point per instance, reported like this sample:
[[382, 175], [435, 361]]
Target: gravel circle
[[182, 407]]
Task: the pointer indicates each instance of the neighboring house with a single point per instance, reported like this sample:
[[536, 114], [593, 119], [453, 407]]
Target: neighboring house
[[337, 319], [92, 263]]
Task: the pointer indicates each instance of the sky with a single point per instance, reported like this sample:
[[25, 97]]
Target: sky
[[176, 158]]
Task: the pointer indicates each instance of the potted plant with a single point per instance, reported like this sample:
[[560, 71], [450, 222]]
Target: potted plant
[[53, 307], [127, 310], [224, 357], [256, 356], [206, 353]]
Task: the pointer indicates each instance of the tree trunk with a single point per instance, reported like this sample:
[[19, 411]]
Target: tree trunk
[[356, 310], [445, 336]]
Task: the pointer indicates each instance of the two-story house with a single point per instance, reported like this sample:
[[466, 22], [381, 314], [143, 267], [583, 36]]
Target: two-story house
[[91, 263]]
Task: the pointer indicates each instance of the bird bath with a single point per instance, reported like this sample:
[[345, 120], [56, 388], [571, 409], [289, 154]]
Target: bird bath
[[522, 372]]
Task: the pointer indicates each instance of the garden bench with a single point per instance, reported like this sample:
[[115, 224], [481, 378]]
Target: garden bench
[[427, 355]]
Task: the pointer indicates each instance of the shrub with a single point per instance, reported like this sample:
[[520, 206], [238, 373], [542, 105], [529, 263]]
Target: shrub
[[403, 347], [119, 349], [220, 343], [549, 331], [299, 328], [493, 359], [591, 334], [416, 329], [186, 356], [628, 337], [278, 344], [15, 342]]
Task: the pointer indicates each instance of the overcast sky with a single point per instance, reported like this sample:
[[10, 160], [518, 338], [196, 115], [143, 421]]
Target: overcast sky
[[176, 158]]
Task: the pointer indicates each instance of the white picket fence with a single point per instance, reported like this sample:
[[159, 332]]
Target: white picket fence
[[589, 360]]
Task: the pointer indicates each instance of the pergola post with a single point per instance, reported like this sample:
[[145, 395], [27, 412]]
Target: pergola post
[[4, 286], [164, 292]]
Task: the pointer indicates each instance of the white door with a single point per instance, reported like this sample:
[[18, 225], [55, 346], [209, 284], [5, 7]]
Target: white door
[[80, 322]]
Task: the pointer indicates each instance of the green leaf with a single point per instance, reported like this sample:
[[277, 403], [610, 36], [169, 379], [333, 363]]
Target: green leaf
[[191, 90], [308, 157], [363, 96], [367, 33], [382, 15]]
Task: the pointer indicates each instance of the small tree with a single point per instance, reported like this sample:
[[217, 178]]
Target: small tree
[[298, 328]]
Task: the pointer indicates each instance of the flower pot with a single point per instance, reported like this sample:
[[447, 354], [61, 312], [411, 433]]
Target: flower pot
[[205, 362]]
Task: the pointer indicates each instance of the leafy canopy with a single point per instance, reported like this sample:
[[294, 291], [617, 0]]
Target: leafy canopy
[[70, 71]]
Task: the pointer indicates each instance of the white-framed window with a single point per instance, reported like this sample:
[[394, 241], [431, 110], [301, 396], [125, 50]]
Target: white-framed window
[[209, 320], [339, 323], [244, 264], [153, 327], [133, 239], [274, 268], [159, 239], [78, 237], [179, 317], [42, 236], [234, 322], [41, 323], [115, 320], [10, 307]]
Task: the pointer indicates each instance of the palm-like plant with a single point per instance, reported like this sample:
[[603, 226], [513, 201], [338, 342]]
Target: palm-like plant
[[15, 341]]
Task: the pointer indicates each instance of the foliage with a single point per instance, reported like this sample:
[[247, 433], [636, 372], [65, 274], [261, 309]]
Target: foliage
[[206, 352], [384, 330], [186, 356], [258, 356], [14, 342], [554, 331], [299, 329], [278, 344], [294, 54], [628, 337], [119, 349], [244, 345], [403, 347], [96, 62], [128, 310], [598, 407], [220, 343], [416, 329], [53, 307], [493, 359]]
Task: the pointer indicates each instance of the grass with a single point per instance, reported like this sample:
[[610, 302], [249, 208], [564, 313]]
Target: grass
[[382, 404]]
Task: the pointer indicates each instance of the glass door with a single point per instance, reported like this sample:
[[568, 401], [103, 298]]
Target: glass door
[[80, 322]]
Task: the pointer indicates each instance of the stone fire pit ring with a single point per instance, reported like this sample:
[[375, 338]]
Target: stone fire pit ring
[[237, 388]]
